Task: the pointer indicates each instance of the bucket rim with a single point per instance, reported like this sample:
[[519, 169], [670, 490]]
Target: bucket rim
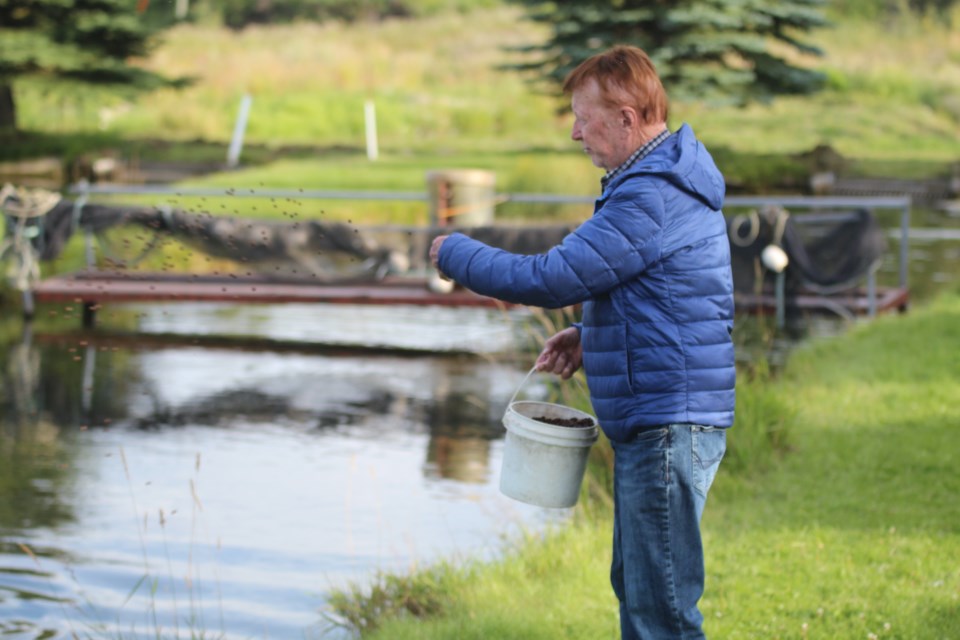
[[515, 405], [526, 427]]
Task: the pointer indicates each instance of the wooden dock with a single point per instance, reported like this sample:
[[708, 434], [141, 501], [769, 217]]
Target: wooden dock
[[94, 289]]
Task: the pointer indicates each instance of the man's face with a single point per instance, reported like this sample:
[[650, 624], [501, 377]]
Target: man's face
[[598, 128]]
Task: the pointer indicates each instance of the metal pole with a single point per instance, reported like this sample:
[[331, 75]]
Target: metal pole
[[78, 204], [904, 244], [780, 286]]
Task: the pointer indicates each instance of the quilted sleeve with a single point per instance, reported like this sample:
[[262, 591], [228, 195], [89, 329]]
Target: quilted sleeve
[[621, 239]]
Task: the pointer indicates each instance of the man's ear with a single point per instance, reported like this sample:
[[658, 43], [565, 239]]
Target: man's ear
[[628, 117]]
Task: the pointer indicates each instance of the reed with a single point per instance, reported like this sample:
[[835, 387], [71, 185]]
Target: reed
[[174, 604]]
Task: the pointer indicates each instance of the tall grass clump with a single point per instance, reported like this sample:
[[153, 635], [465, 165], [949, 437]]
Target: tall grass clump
[[364, 608], [761, 435], [761, 430], [174, 605]]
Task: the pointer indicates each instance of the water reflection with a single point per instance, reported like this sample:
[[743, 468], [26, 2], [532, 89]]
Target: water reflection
[[225, 491], [459, 446], [934, 264], [438, 329], [33, 466]]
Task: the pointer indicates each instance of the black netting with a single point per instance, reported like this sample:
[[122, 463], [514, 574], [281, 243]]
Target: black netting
[[827, 252]]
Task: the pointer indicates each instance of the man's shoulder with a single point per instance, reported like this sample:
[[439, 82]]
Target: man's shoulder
[[635, 190]]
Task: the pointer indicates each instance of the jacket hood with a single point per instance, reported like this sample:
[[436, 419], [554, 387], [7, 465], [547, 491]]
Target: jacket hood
[[685, 162]]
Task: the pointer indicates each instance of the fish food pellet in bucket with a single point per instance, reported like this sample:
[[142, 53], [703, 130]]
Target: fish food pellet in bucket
[[566, 422]]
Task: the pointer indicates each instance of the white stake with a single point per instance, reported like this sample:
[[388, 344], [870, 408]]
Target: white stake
[[236, 143], [370, 115]]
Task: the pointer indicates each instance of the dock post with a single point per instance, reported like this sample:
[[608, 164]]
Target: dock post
[[89, 368], [89, 314], [29, 308]]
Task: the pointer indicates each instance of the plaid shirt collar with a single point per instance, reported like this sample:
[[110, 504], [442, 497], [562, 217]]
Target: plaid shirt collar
[[637, 155]]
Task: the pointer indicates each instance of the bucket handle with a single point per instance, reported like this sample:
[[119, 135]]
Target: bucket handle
[[524, 381]]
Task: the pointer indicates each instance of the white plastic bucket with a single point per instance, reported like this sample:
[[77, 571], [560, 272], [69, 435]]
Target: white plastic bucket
[[543, 464]]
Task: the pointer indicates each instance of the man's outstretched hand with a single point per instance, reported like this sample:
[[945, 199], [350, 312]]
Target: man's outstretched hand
[[435, 249]]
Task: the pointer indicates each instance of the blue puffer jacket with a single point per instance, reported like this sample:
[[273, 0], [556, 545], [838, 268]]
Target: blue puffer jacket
[[652, 269]]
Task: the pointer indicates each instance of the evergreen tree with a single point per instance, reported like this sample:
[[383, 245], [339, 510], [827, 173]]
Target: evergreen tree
[[725, 51], [89, 41]]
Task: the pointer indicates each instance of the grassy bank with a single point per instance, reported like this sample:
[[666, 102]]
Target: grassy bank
[[891, 97], [853, 533]]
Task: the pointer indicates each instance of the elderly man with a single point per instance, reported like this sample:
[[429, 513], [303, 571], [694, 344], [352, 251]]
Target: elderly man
[[652, 270]]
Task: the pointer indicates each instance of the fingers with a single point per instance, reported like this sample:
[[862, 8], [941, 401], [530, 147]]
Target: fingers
[[571, 363], [563, 363], [547, 361], [544, 362], [561, 354], [435, 249], [549, 358], [557, 340]]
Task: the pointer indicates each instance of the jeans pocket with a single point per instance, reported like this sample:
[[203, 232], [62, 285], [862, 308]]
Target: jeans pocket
[[709, 445]]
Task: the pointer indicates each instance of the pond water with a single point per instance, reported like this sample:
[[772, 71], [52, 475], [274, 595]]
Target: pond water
[[167, 483], [224, 490], [934, 252]]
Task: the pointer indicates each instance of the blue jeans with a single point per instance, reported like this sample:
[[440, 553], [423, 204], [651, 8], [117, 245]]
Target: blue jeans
[[661, 479]]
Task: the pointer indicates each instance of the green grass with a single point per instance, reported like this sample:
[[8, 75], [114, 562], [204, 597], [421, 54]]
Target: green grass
[[434, 82], [892, 92], [516, 172], [856, 529], [852, 532]]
